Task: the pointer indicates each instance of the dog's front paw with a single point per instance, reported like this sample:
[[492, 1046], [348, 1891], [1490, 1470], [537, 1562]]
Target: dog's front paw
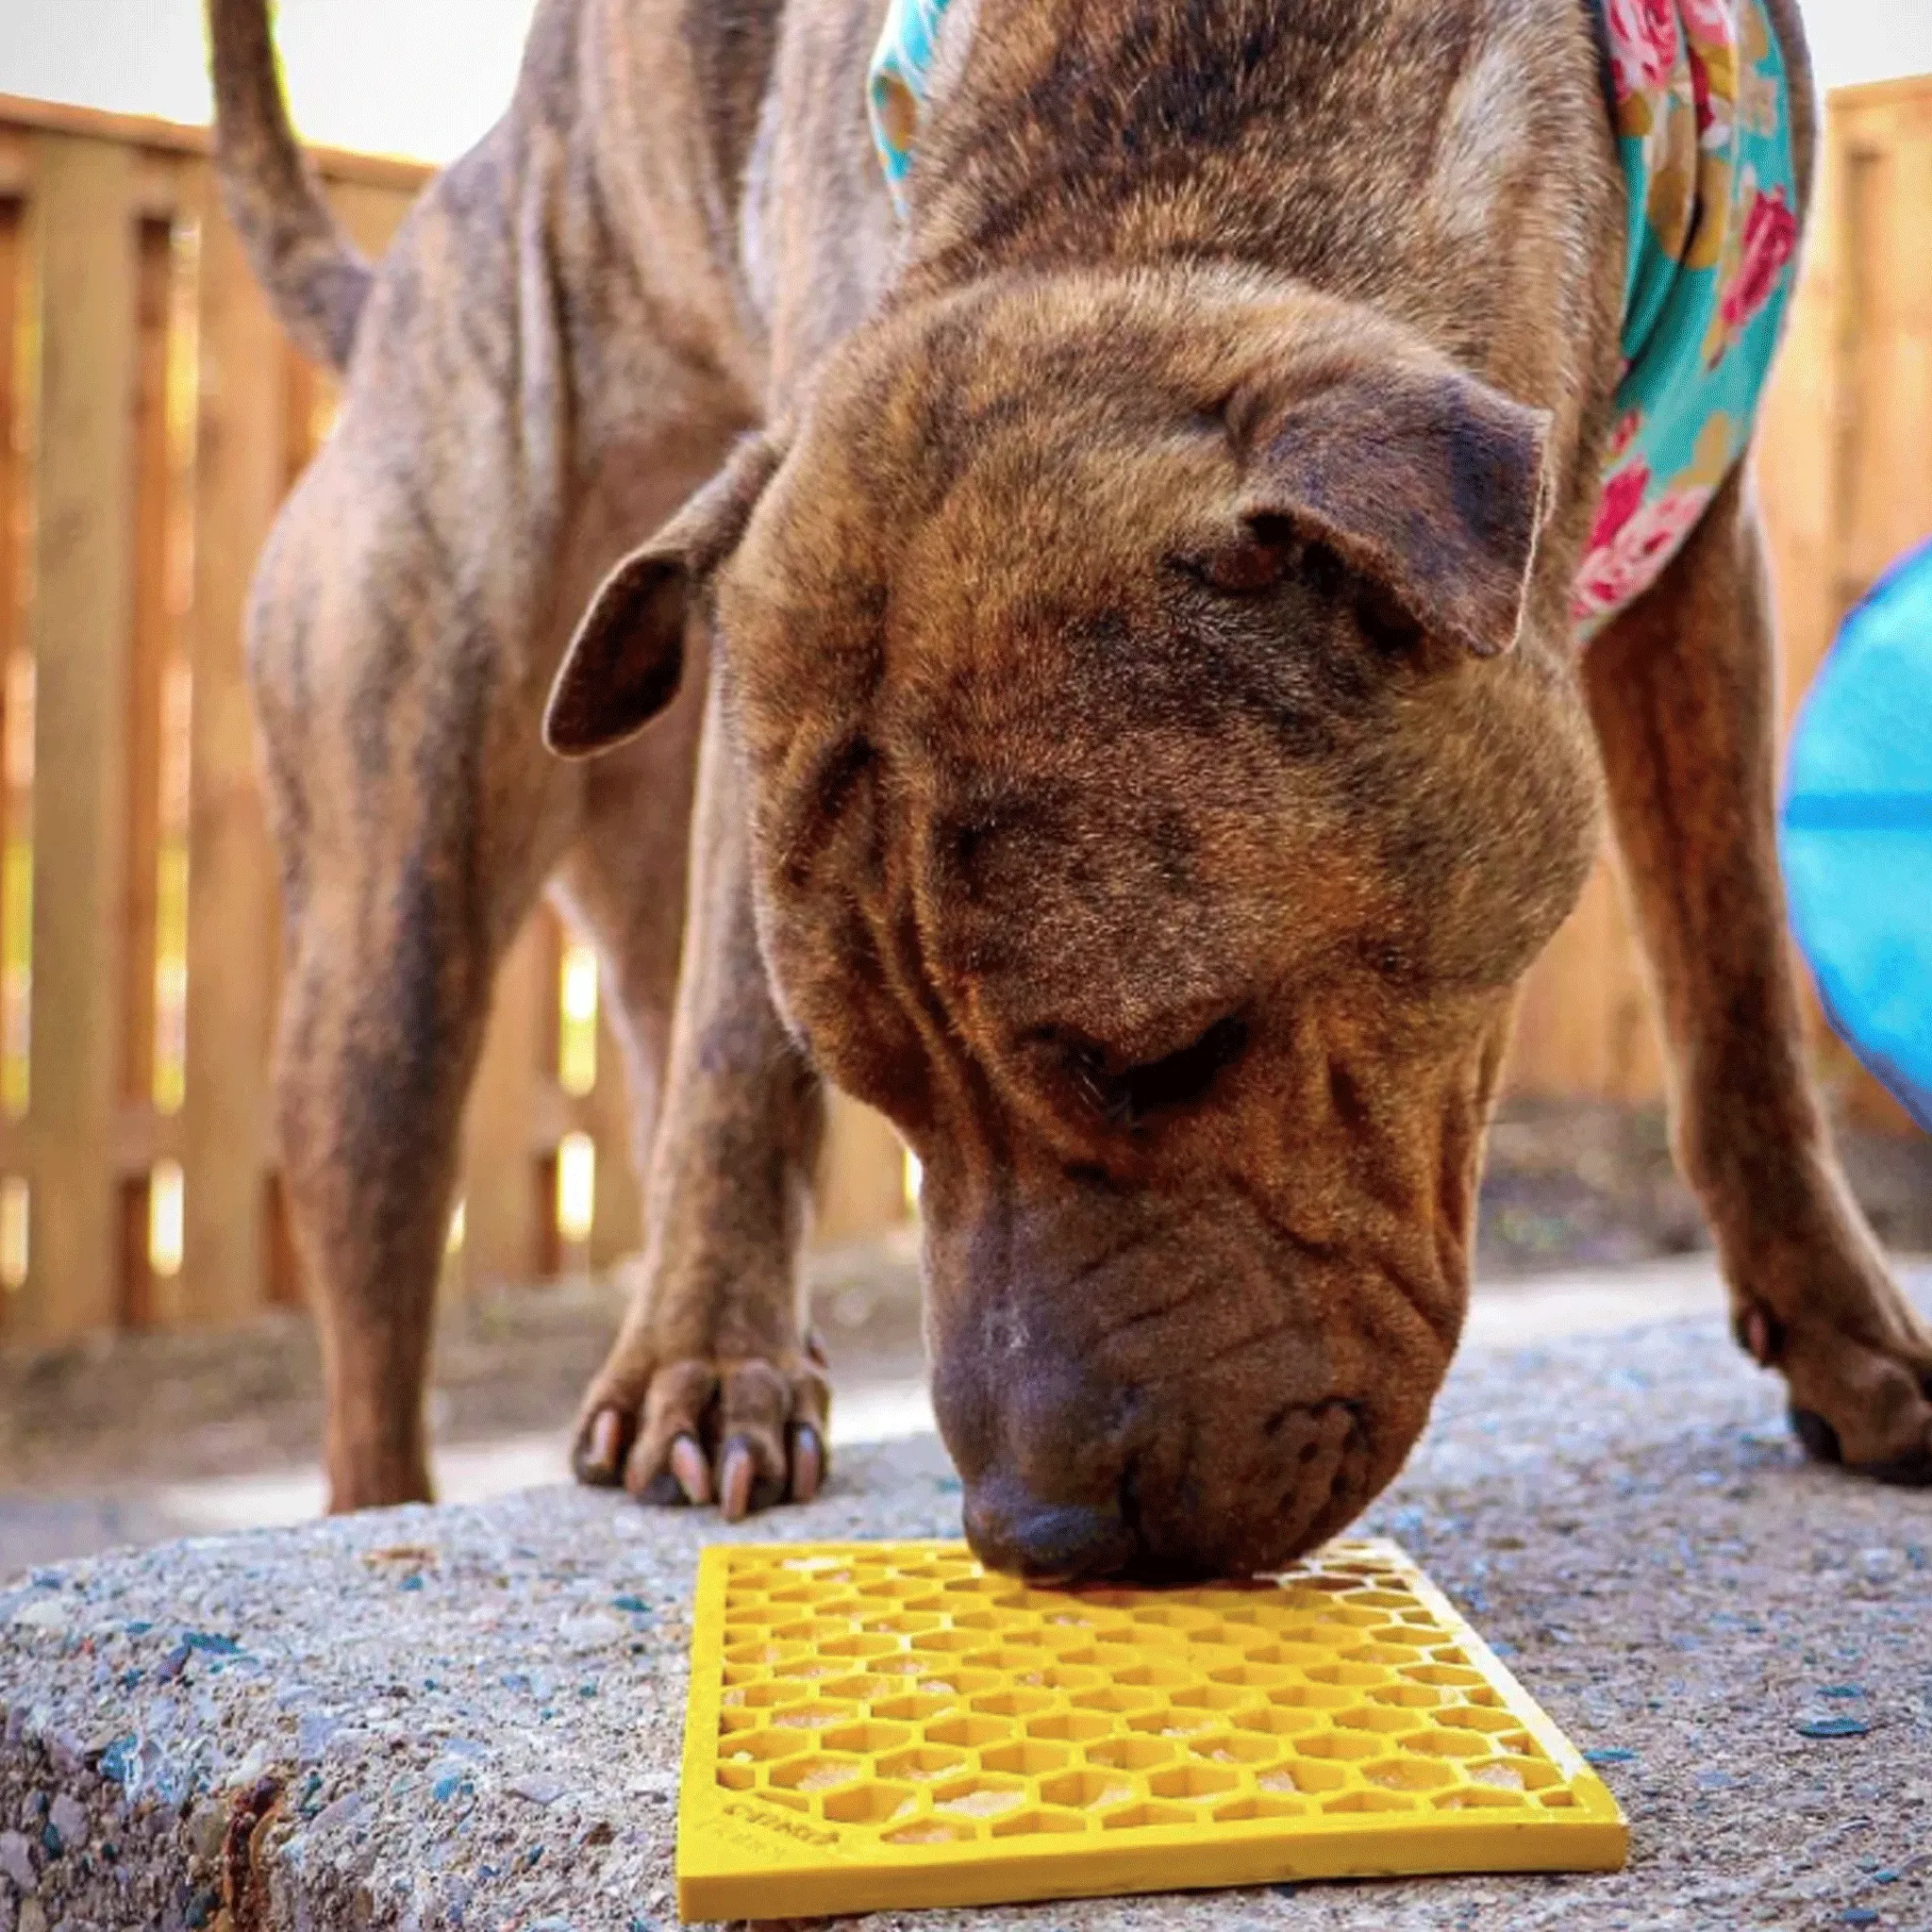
[[743, 1431], [1857, 1359]]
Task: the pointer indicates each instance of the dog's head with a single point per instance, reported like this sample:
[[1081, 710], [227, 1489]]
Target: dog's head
[[1151, 812]]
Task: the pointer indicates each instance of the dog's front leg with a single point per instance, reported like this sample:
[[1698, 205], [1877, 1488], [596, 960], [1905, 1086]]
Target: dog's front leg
[[1682, 690], [714, 1388]]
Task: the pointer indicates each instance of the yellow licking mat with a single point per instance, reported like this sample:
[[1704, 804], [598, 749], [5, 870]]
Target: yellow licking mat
[[875, 1725]]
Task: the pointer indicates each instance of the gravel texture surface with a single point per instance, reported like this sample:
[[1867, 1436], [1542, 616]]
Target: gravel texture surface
[[470, 1717]]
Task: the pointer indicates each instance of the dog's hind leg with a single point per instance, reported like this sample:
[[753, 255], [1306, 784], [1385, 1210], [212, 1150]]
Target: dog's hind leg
[[1682, 690], [417, 817]]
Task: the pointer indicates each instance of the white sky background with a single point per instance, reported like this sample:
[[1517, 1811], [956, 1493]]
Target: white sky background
[[425, 77]]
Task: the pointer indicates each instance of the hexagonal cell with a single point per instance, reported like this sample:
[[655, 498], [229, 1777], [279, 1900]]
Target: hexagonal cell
[[927, 1831], [1011, 1703], [945, 1679], [1355, 1675], [1297, 1775], [774, 1696], [1181, 1616], [1010, 1659], [1176, 1723], [1025, 1758], [1162, 1676], [870, 1803], [1294, 1657], [762, 1651], [1369, 1717], [762, 1747], [1271, 1721], [912, 1709], [923, 1763], [859, 1690], [857, 1646], [1084, 1790], [1112, 1657], [971, 1730], [948, 1643], [1116, 1698], [1211, 1698], [1556, 1800], [790, 1800], [1515, 1774], [1344, 1746], [900, 1623], [820, 1569], [1235, 1747], [822, 1770], [1135, 1817], [985, 1796], [867, 1739], [1409, 1774], [1255, 1810], [1068, 1726], [1062, 1678], [1448, 1654], [1407, 1696], [1441, 1674], [1383, 1654], [816, 1716], [1128, 1754], [1476, 1717], [1190, 1783], [1369, 1801], [1313, 1697], [1479, 1798], [1447, 1744], [1384, 1600], [810, 1630], [1252, 1677], [1030, 1823], [736, 1777]]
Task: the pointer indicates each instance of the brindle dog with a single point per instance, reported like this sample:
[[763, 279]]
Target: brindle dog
[[1143, 748]]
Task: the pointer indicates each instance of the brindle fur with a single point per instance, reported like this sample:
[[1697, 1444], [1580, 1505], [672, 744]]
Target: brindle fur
[[1144, 747]]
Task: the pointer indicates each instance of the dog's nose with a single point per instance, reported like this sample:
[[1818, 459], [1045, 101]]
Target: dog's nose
[[1045, 1542]]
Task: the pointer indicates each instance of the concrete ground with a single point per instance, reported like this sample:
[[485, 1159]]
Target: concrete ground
[[472, 1714]]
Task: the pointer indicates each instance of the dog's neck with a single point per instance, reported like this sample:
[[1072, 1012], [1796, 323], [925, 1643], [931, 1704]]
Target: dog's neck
[[1370, 148]]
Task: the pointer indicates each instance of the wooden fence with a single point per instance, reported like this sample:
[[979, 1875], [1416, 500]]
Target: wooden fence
[[151, 418]]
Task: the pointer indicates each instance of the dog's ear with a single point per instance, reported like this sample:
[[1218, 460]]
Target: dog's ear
[[627, 661], [1426, 481]]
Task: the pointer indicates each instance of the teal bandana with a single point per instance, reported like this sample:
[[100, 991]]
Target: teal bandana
[[1702, 115]]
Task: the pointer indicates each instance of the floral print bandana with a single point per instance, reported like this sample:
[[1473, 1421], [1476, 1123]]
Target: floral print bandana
[[1702, 105]]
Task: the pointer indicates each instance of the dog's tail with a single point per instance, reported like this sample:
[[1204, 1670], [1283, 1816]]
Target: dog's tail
[[316, 281]]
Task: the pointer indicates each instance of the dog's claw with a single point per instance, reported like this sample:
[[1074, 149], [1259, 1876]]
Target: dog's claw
[[603, 1450], [807, 1463], [737, 1469], [694, 1474]]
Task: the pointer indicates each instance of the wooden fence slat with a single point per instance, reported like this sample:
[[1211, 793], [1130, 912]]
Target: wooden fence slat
[[231, 876], [505, 1231], [149, 644], [83, 227]]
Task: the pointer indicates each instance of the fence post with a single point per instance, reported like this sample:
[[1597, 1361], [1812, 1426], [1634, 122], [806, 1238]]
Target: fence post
[[83, 222], [232, 907]]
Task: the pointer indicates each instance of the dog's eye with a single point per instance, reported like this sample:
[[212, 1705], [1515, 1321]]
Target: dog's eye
[[1126, 1096]]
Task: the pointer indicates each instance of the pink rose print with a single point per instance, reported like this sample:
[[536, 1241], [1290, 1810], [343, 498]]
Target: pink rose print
[[1644, 43], [1771, 235], [1632, 542], [1712, 22], [1622, 495]]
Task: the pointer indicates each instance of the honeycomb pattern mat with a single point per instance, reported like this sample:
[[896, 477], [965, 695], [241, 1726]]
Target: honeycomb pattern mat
[[882, 1725]]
